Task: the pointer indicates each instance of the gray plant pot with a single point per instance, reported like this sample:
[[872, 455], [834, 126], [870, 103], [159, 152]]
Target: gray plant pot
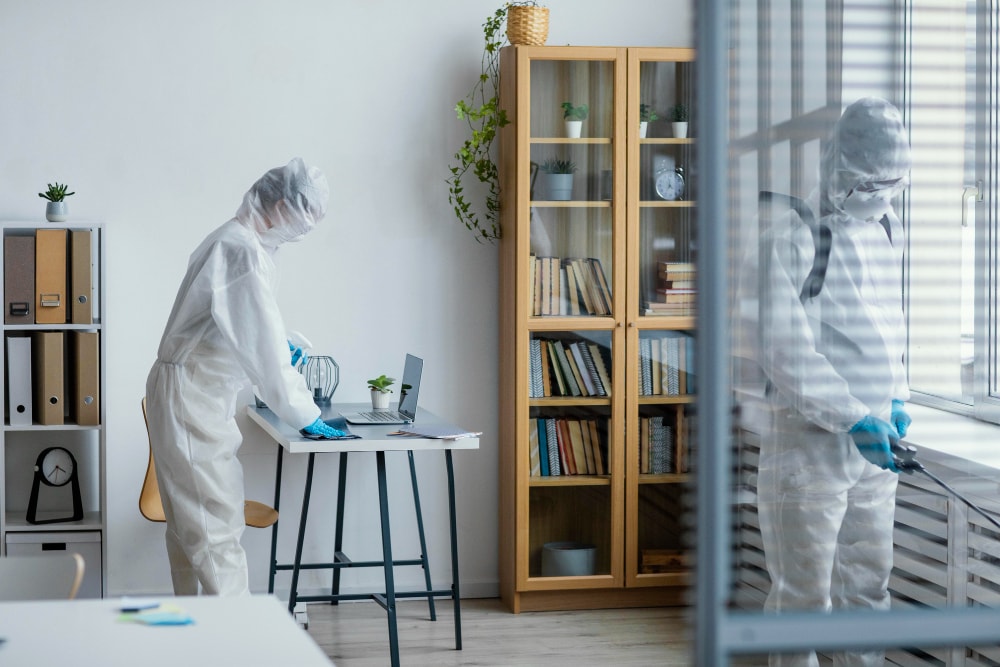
[[56, 211], [559, 187]]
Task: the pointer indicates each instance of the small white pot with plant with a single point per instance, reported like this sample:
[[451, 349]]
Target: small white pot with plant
[[574, 117], [558, 175], [56, 210], [646, 116], [679, 120], [380, 391]]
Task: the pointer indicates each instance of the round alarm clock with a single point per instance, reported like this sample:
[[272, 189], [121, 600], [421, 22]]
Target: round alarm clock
[[56, 465], [669, 184]]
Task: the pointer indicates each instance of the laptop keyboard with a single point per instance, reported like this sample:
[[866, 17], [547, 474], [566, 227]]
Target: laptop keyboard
[[381, 416]]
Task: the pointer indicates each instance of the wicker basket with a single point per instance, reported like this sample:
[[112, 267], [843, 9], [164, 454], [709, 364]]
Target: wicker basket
[[527, 25]]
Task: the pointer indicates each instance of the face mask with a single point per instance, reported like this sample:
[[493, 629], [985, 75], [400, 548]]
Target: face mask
[[867, 205]]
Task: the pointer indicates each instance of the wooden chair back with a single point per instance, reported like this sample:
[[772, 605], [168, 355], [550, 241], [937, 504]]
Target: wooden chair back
[[40, 577]]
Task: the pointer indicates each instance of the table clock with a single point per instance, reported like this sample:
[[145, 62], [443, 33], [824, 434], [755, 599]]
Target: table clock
[[55, 468]]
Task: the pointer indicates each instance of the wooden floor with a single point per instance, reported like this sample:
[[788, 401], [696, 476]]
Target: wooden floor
[[355, 634]]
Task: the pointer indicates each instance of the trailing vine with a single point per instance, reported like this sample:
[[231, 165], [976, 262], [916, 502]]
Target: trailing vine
[[481, 110]]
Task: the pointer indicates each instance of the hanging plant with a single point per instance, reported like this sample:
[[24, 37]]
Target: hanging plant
[[481, 110]]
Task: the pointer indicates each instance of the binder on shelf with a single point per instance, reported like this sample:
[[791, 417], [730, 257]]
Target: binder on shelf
[[81, 282], [50, 276], [48, 378], [19, 380], [19, 279], [85, 408]]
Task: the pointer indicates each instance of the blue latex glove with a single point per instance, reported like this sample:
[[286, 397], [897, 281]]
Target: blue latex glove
[[899, 418], [299, 355], [321, 428], [874, 438]]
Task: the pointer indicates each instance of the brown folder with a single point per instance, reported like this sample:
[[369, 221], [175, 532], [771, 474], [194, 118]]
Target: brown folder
[[81, 286], [50, 276], [19, 279], [85, 375], [47, 349]]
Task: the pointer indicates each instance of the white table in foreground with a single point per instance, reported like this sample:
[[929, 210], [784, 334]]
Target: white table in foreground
[[245, 631], [375, 439]]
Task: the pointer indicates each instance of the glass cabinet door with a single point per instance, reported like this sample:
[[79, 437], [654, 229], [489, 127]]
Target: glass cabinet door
[[663, 158], [662, 250], [572, 170], [569, 463]]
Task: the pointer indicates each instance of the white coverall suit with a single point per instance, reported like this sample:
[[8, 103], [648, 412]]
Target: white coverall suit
[[225, 331], [826, 513]]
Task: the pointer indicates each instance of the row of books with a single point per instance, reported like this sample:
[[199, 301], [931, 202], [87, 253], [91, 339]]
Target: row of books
[[676, 291], [656, 446], [569, 286], [666, 364], [566, 447], [567, 368]]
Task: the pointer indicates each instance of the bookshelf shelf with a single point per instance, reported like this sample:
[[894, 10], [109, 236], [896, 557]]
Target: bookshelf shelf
[[578, 276], [571, 480]]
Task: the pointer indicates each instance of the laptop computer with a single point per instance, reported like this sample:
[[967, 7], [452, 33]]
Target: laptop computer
[[408, 390]]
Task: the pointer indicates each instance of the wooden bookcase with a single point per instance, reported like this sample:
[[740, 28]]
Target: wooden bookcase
[[580, 278]]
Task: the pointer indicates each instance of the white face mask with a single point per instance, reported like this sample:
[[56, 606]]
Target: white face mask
[[867, 205]]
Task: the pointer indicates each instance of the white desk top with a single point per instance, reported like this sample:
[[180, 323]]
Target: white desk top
[[373, 438], [245, 631]]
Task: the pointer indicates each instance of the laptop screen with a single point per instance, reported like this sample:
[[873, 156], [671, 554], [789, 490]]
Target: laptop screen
[[410, 386]]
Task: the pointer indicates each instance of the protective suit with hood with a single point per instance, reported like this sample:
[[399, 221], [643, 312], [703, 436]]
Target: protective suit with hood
[[225, 332], [835, 379]]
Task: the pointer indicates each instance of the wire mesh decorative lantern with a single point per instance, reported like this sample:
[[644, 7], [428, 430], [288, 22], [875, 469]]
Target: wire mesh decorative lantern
[[322, 376]]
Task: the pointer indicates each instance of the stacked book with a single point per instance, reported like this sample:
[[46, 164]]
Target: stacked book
[[656, 446], [567, 286], [567, 368], [666, 364], [675, 292], [566, 447]]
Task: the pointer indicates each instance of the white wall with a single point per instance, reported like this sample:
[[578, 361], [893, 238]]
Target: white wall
[[160, 116]]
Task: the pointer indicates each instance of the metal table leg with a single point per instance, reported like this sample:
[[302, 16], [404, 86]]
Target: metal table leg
[[273, 565], [456, 594], [420, 531], [388, 602], [293, 594], [338, 539]]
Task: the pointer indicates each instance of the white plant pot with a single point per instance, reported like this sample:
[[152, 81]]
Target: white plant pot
[[56, 211], [574, 128], [680, 130], [559, 187], [380, 400], [642, 128]]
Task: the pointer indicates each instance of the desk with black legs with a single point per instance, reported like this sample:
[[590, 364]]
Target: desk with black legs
[[373, 439]]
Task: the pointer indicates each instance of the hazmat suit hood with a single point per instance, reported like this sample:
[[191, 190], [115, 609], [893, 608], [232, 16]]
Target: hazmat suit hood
[[285, 203], [868, 150]]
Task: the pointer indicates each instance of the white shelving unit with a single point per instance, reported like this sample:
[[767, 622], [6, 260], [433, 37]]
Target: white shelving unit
[[20, 445]]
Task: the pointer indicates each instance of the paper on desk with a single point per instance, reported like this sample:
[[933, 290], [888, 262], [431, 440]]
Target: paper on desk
[[439, 432], [164, 614]]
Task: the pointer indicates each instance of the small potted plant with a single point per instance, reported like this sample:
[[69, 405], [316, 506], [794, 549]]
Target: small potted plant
[[679, 120], [380, 391], [56, 210], [574, 116], [646, 115], [558, 178]]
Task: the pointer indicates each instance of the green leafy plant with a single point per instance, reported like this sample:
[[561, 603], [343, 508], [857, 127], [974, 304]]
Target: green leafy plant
[[647, 114], [56, 192], [554, 166], [678, 113], [480, 109], [571, 112], [381, 383]]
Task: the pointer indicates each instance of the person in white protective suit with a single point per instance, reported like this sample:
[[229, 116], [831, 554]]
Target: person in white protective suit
[[836, 385], [225, 332]]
